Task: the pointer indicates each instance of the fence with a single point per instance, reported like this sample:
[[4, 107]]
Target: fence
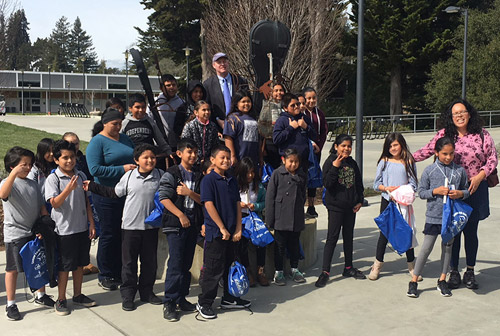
[[377, 127]]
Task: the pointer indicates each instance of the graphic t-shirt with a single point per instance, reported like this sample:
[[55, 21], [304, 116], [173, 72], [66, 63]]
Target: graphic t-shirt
[[244, 131]]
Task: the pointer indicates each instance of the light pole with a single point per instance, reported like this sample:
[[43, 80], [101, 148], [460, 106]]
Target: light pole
[[465, 12], [187, 52], [69, 92], [29, 98], [48, 103], [83, 74], [22, 92], [126, 74]]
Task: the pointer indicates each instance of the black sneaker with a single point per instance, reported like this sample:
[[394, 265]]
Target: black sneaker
[[353, 273], [322, 280], [170, 312], [83, 300], [45, 301], [153, 299], [185, 305], [206, 311], [128, 305], [412, 290], [442, 287], [12, 313], [107, 284], [470, 279], [311, 212], [236, 303], [61, 307], [454, 279]]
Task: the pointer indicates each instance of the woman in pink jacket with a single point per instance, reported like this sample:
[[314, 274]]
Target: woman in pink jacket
[[475, 151]]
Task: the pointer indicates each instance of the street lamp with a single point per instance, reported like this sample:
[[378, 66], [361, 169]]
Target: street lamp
[[48, 98], [187, 52], [126, 73], [464, 11], [83, 73], [22, 91]]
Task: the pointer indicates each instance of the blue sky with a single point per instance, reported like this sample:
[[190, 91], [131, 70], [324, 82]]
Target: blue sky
[[109, 22]]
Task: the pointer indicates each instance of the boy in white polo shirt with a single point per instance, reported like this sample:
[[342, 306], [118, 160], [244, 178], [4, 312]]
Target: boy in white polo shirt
[[138, 238], [72, 214]]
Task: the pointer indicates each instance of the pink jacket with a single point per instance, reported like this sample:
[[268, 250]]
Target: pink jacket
[[471, 152]]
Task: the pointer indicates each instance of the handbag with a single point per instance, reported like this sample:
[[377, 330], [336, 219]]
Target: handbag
[[267, 172], [154, 218], [492, 179], [35, 264], [455, 216], [395, 228], [255, 230], [238, 283]]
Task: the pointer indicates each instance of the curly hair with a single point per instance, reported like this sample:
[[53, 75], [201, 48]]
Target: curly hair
[[474, 126]]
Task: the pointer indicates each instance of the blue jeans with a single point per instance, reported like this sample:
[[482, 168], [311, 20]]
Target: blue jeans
[[181, 247], [109, 256]]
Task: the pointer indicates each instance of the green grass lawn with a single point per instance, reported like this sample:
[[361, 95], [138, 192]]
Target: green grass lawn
[[12, 135]]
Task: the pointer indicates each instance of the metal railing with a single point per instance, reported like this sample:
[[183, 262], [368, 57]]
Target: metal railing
[[379, 126]]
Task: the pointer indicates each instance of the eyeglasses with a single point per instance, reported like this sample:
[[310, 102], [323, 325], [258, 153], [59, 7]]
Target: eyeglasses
[[294, 105], [460, 113]]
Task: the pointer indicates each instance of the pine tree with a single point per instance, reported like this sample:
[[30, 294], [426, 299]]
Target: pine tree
[[81, 49], [17, 41], [3, 42], [60, 53]]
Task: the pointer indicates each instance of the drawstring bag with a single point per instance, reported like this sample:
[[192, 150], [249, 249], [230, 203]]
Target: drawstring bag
[[154, 218], [455, 216], [237, 280], [267, 171], [314, 174], [255, 230], [35, 264], [395, 228]]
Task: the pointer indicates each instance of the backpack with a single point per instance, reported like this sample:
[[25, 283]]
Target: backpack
[[35, 264], [237, 280]]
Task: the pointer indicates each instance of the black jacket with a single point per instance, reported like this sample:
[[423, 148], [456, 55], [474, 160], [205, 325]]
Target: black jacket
[[344, 187], [168, 190]]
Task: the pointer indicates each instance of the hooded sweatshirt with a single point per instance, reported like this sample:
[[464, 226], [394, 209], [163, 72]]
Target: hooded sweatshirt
[[190, 103], [144, 131], [434, 177]]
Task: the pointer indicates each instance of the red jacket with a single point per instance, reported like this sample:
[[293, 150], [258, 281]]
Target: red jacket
[[318, 122]]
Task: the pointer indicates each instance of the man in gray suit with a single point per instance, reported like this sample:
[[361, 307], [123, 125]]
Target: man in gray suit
[[220, 88]]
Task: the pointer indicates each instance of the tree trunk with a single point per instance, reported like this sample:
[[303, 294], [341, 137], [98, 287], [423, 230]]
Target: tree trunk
[[396, 91], [205, 59]]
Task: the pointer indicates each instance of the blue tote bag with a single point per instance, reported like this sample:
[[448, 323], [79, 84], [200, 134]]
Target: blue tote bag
[[395, 228], [35, 264], [267, 171], [238, 283], [456, 214], [253, 228], [314, 174], [154, 218]]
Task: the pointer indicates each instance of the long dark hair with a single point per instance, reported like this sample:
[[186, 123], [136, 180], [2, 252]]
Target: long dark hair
[[339, 139], [474, 126], [44, 146], [243, 167], [406, 155], [237, 96]]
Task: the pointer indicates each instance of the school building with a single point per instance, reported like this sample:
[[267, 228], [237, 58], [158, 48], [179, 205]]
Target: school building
[[42, 92]]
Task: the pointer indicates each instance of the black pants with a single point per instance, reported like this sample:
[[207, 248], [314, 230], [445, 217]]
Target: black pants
[[339, 220], [181, 247], [138, 244], [272, 156], [382, 240], [286, 240], [217, 256]]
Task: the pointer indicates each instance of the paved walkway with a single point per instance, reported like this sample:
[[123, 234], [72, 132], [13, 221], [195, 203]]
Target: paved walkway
[[344, 306]]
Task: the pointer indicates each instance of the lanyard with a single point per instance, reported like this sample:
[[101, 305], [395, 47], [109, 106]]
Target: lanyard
[[447, 181]]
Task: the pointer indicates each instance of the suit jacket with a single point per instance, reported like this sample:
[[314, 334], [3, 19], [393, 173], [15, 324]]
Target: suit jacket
[[215, 97]]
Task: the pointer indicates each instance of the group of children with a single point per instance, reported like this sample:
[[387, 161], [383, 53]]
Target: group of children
[[206, 194]]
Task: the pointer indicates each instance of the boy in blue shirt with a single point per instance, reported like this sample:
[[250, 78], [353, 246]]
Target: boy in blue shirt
[[71, 212], [180, 194], [222, 211]]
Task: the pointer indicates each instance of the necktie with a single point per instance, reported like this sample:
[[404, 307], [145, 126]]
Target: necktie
[[227, 97]]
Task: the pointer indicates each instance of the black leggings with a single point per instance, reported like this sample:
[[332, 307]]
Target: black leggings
[[382, 240], [286, 240], [336, 221]]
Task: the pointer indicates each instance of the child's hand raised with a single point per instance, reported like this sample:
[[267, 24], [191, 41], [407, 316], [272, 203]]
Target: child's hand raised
[[302, 123], [183, 190], [73, 183], [338, 161], [19, 169], [293, 123], [86, 185], [442, 190]]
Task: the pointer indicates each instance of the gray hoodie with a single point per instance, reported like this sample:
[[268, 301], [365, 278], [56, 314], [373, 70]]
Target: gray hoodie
[[145, 130], [434, 177]]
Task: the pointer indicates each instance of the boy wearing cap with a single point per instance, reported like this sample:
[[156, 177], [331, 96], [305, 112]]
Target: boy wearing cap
[[220, 88]]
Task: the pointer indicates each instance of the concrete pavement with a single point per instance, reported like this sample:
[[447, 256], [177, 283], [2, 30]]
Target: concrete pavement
[[344, 306]]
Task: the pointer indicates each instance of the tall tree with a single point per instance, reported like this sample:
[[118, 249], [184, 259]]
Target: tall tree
[[3, 41], [81, 49], [42, 54], [60, 37], [483, 68], [17, 41]]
